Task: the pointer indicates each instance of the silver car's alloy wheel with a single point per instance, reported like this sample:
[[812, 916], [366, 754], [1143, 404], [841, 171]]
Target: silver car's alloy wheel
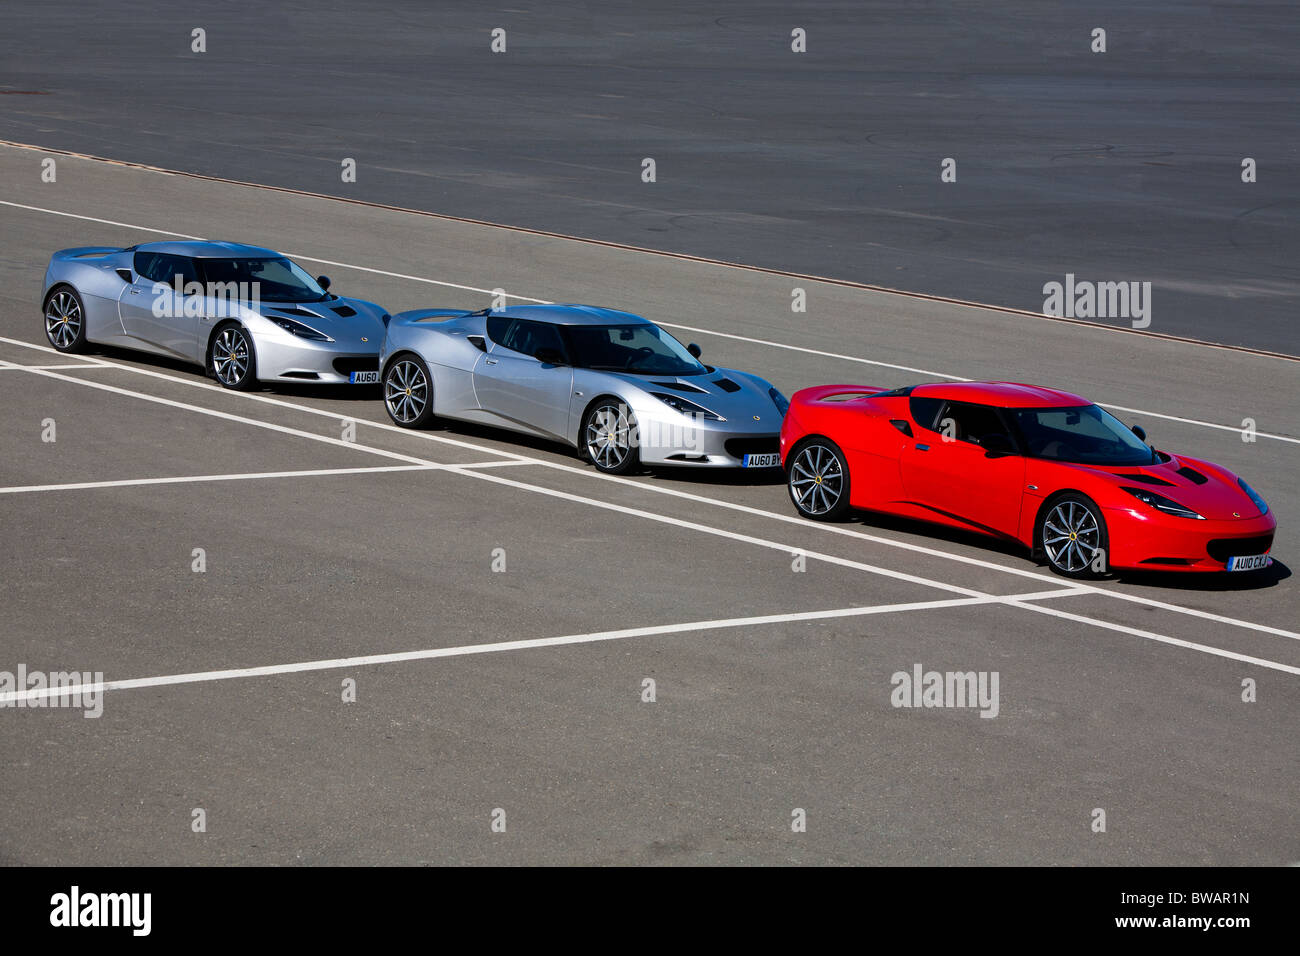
[[609, 436], [406, 391], [63, 320], [230, 356], [1071, 536], [816, 480]]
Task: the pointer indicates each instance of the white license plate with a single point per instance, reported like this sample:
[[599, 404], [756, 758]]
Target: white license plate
[[1251, 562], [364, 378], [762, 461]]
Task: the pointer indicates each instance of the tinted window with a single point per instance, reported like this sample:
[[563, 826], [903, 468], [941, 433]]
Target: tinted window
[[924, 410], [160, 267], [972, 423], [642, 349], [272, 280], [497, 327], [528, 338], [1085, 434]]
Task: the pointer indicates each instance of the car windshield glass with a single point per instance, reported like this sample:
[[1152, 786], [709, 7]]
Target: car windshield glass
[[640, 349], [272, 280], [1085, 434]]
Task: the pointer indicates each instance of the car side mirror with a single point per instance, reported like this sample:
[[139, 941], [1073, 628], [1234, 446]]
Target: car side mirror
[[997, 446], [694, 349], [549, 356], [1140, 432], [125, 275], [323, 282]]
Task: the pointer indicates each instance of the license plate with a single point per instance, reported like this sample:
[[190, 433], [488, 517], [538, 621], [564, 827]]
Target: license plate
[[1251, 562], [364, 378], [762, 461]]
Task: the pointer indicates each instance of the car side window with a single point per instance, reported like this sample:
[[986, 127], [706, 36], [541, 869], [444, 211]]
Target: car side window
[[528, 338], [924, 410], [160, 267], [970, 423], [498, 327]]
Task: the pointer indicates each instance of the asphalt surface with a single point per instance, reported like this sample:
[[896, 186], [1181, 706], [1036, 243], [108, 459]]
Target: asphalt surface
[[1115, 166], [1132, 703]]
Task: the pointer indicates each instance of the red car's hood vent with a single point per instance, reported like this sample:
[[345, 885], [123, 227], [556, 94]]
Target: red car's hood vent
[[1145, 479]]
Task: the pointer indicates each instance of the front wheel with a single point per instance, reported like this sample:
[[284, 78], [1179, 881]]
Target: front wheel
[[408, 392], [232, 359], [609, 437], [65, 320], [1072, 534], [819, 480]]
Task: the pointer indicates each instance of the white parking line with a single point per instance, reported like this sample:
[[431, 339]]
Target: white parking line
[[247, 476], [725, 335], [465, 650], [78, 365], [713, 502]]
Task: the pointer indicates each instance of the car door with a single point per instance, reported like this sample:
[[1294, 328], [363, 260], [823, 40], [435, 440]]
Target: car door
[[152, 310], [947, 469], [510, 382]]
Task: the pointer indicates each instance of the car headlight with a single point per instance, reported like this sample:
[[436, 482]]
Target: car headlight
[[680, 404], [1161, 503], [298, 329], [780, 401], [1260, 503]]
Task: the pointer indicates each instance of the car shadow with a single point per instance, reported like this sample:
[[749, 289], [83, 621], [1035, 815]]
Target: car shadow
[[1267, 577]]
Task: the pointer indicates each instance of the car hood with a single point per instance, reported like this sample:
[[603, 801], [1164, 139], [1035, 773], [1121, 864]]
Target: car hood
[[739, 397], [346, 321], [1203, 486]]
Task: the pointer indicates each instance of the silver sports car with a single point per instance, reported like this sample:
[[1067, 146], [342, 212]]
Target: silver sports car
[[246, 313], [614, 385]]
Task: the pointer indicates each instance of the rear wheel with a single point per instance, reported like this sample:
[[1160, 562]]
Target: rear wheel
[[408, 392], [609, 437], [818, 480], [65, 320], [1072, 534]]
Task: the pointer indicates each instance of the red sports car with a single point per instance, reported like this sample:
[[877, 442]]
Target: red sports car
[[1048, 469]]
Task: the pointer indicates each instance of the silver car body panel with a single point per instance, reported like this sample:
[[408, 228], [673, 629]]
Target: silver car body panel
[[121, 313], [493, 385]]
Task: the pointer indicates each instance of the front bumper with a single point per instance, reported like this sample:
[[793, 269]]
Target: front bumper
[[308, 362], [663, 441], [1155, 542]]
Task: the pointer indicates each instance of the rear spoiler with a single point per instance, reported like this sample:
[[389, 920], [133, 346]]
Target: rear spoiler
[[87, 252], [820, 393]]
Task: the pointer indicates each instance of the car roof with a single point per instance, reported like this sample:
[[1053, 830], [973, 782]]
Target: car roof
[[1001, 394], [202, 249], [571, 315]]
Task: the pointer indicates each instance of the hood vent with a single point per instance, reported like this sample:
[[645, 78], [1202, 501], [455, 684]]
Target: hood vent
[[1192, 475], [1147, 480], [681, 387], [345, 310], [294, 311], [727, 385]]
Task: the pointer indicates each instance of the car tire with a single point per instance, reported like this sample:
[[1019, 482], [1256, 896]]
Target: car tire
[[231, 358], [818, 480], [609, 438], [408, 391], [1072, 536], [65, 320]]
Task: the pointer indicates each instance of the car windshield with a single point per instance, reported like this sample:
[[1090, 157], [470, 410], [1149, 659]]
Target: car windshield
[[1085, 434], [642, 349], [272, 280]]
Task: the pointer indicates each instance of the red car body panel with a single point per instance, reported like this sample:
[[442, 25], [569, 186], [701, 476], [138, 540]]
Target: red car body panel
[[959, 484]]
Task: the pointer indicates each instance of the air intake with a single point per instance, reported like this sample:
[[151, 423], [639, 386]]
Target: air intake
[[727, 385], [1192, 475], [1147, 479], [345, 310]]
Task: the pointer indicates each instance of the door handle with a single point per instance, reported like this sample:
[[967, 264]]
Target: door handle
[[922, 447], [135, 291], [489, 361]]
